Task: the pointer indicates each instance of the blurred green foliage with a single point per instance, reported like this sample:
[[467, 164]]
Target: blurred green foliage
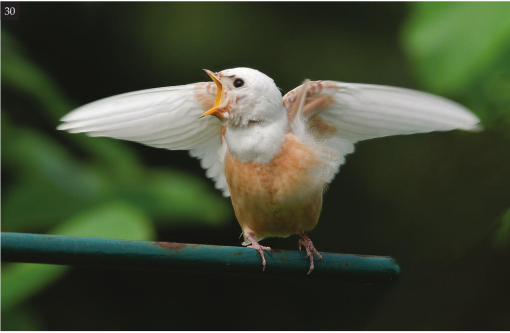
[[437, 200], [502, 235], [462, 49]]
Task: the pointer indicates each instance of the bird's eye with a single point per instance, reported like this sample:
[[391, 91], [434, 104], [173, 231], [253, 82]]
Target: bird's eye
[[238, 83]]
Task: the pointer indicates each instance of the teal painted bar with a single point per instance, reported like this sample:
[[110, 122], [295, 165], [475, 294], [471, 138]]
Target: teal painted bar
[[114, 253]]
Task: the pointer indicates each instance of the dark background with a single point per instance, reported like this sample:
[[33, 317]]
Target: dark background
[[439, 203]]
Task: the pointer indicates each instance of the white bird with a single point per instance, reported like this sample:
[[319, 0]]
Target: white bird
[[272, 155]]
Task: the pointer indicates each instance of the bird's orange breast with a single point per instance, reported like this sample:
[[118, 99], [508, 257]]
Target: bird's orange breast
[[279, 198]]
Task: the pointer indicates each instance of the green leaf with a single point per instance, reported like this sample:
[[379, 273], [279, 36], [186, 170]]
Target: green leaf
[[21, 319], [501, 239], [50, 182], [117, 220], [451, 44], [175, 198], [20, 281], [113, 220]]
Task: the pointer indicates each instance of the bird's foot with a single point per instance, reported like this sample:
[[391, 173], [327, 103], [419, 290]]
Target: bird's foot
[[260, 249], [310, 250]]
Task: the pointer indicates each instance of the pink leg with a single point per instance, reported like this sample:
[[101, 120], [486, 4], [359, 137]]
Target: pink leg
[[255, 245], [310, 249]]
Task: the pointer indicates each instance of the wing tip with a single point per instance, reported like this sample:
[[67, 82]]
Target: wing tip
[[474, 124], [476, 128], [69, 127], [66, 121], [62, 127]]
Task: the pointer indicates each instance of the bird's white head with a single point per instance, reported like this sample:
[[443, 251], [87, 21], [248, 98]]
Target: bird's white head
[[245, 96]]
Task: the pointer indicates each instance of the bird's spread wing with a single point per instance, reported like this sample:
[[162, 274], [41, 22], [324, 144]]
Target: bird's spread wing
[[163, 118], [339, 114]]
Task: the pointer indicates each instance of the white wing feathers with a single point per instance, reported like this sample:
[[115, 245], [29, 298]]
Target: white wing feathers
[[211, 155], [163, 118], [335, 115], [340, 114], [365, 111]]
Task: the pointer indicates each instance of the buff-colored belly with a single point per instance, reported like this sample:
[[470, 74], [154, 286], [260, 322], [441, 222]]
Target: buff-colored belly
[[280, 198]]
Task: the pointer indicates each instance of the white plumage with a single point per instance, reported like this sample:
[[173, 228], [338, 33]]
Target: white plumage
[[366, 111], [161, 118]]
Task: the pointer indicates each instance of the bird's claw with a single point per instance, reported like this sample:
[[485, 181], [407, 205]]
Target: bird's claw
[[310, 251], [260, 249]]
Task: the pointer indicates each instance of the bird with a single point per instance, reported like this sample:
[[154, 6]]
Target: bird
[[273, 155]]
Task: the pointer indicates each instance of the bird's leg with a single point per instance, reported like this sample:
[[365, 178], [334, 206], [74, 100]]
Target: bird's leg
[[310, 249], [255, 245]]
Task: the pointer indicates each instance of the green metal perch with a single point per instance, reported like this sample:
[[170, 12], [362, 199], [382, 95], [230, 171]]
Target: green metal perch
[[113, 253]]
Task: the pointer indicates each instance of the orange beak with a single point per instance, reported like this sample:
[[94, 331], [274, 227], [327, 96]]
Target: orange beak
[[215, 111]]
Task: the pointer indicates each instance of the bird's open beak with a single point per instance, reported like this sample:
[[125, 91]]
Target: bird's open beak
[[215, 111]]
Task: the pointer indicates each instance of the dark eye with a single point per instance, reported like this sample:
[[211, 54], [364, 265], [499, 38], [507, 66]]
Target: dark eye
[[238, 83]]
